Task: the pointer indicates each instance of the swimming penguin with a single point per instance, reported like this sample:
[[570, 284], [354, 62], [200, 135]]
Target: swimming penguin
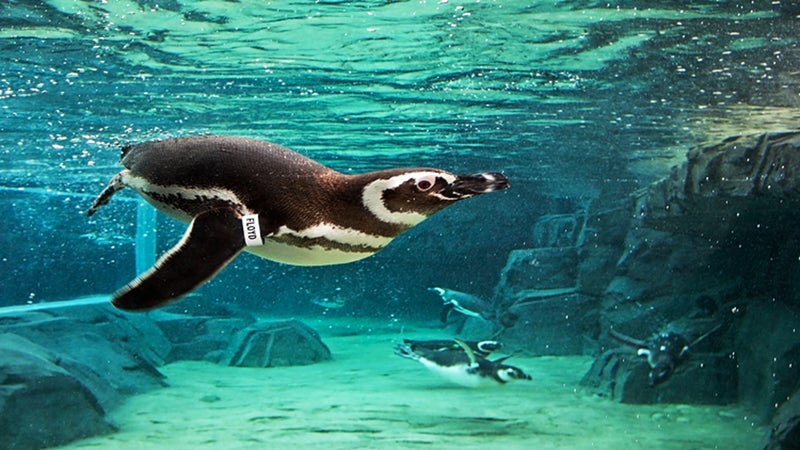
[[464, 303], [244, 194], [462, 365], [664, 352]]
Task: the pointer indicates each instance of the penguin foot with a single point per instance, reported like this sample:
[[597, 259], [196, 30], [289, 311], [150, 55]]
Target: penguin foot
[[105, 195], [405, 351]]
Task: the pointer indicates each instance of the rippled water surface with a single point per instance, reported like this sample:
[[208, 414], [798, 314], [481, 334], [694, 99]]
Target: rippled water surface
[[569, 99]]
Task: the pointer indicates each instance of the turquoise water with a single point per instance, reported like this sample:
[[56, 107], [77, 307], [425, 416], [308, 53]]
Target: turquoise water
[[572, 100], [576, 102]]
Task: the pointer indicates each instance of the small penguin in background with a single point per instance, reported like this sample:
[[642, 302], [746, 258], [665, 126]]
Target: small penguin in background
[[461, 364], [238, 194], [464, 303], [664, 352]]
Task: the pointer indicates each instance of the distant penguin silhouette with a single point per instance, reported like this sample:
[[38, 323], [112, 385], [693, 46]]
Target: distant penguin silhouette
[[464, 303]]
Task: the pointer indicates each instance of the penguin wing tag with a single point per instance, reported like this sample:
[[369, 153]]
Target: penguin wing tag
[[251, 230], [212, 240]]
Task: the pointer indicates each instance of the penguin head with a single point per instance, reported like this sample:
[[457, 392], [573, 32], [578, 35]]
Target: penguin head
[[661, 371], [505, 373], [665, 353], [406, 197]]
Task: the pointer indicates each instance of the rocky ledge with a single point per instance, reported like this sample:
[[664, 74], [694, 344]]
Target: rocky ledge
[[62, 369], [706, 259]]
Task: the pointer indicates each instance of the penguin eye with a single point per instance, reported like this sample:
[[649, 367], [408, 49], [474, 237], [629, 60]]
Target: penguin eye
[[425, 183]]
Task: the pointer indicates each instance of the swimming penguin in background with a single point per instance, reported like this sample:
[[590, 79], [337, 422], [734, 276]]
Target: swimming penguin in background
[[244, 194], [464, 303], [664, 351], [460, 364]]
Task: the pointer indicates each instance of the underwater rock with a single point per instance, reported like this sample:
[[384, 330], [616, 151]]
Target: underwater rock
[[743, 175], [41, 403], [538, 303], [537, 273], [110, 359], [659, 264], [558, 325], [136, 334], [784, 434], [558, 230], [198, 338], [716, 240], [62, 369], [767, 346], [624, 376], [274, 344]]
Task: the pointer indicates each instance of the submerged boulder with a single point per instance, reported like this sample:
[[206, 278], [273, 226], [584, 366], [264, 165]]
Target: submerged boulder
[[552, 325], [199, 337], [62, 369], [273, 344], [707, 378], [41, 403]]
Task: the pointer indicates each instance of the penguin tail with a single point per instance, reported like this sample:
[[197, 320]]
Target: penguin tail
[[114, 185], [405, 351]]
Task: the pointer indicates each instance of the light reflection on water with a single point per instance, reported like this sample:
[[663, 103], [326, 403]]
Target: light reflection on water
[[569, 99]]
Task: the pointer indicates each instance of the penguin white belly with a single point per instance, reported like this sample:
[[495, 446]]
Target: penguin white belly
[[319, 245], [457, 374], [303, 256]]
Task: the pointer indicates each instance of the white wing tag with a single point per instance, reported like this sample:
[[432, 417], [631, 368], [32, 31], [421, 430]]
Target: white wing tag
[[251, 230]]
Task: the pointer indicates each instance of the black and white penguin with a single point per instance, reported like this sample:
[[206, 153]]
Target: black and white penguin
[[664, 351], [461, 365], [244, 194], [466, 304], [663, 354]]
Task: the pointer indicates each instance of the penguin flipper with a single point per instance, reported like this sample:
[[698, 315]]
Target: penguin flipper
[[212, 240], [445, 314], [467, 350], [627, 340]]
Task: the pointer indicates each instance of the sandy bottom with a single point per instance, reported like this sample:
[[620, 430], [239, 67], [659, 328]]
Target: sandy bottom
[[368, 398]]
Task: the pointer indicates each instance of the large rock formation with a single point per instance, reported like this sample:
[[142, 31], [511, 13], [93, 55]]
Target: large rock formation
[[62, 369], [709, 252], [785, 431], [738, 176], [42, 403], [718, 239], [538, 306]]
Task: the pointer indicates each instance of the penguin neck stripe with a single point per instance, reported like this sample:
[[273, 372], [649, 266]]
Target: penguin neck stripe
[[372, 198], [251, 230]]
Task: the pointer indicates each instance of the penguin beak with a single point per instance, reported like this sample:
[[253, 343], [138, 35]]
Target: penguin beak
[[475, 184]]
